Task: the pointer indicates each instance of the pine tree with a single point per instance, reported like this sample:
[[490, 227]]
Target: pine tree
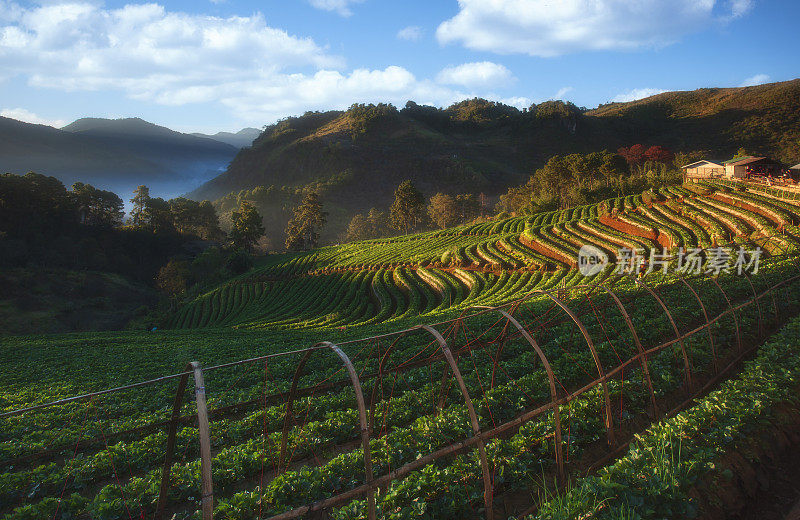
[[141, 196], [408, 209], [302, 232], [247, 226], [442, 210]]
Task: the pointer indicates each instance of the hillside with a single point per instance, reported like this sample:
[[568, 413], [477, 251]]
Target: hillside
[[241, 139], [357, 157], [475, 145], [113, 154], [764, 119], [384, 280]]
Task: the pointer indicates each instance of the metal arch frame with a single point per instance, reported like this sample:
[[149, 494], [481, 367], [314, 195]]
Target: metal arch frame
[[609, 421], [362, 413], [687, 364], [488, 489], [714, 360], [205, 441], [786, 252], [642, 355], [553, 390], [733, 312], [758, 303]]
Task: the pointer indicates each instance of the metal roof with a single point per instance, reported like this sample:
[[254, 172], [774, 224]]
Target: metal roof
[[696, 163], [737, 159], [795, 167], [745, 160]]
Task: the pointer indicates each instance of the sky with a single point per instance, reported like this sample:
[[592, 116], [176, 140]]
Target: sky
[[221, 65]]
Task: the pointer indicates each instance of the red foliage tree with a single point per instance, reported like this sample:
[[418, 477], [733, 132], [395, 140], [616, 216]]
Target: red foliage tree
[[633, 154], [659, 154]]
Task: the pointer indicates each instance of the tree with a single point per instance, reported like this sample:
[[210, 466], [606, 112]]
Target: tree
[[246, 226], [659, 154], [185, 214], [377, 223], [443, 210], [151, 213], [517, 198], [34, 205], [97, 207], [681, 159], [141, 196], [302, 231], [613, 167], [208, 222], [362, 227], [578, 166], [157, 216], [358, 229], [469, 207], [172, 279], [633, 154], [408, 209]]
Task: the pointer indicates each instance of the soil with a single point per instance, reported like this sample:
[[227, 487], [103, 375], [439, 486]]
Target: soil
[[764, 482], [778, 490]]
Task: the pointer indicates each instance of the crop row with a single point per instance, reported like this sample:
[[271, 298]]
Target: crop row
[[236, 460], [350, 298], [660, 475]]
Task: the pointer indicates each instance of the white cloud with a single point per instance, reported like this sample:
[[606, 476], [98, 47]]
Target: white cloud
[[476, 74], [255, 72], [740, 8], [412, 33], [563, 92], [146, 51], [517, 101], [547, 28], [270, 99], [342, 7], [758, 79], [637, 93], [21, 114]]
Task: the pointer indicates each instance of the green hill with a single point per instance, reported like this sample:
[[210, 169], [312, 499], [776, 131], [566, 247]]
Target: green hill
[[426, 274], [357, 157], [764, 119]]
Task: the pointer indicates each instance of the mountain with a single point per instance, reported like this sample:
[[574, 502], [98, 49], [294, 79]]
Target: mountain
[[241, 139], [114, 154], [356, 158], [764, 119], [27, 147]]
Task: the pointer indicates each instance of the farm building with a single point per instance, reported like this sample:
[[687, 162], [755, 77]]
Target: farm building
[[748, 166], [704, 168]]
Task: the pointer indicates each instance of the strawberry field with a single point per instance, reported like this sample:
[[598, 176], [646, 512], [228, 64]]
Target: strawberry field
[[525, 376]]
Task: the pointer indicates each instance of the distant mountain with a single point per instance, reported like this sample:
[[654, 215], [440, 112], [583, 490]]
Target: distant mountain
[[156, 143], [241, 139], [115, 154], [356, 158]]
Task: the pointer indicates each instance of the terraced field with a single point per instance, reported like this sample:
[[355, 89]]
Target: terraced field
[[545, 392], [379, 281]]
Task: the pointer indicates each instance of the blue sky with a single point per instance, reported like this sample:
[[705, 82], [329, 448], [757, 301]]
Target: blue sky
[[221, 65]]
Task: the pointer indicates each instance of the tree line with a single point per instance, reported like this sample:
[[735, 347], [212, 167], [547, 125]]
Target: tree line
[[44, 224], [411, 212], [577, 179]]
